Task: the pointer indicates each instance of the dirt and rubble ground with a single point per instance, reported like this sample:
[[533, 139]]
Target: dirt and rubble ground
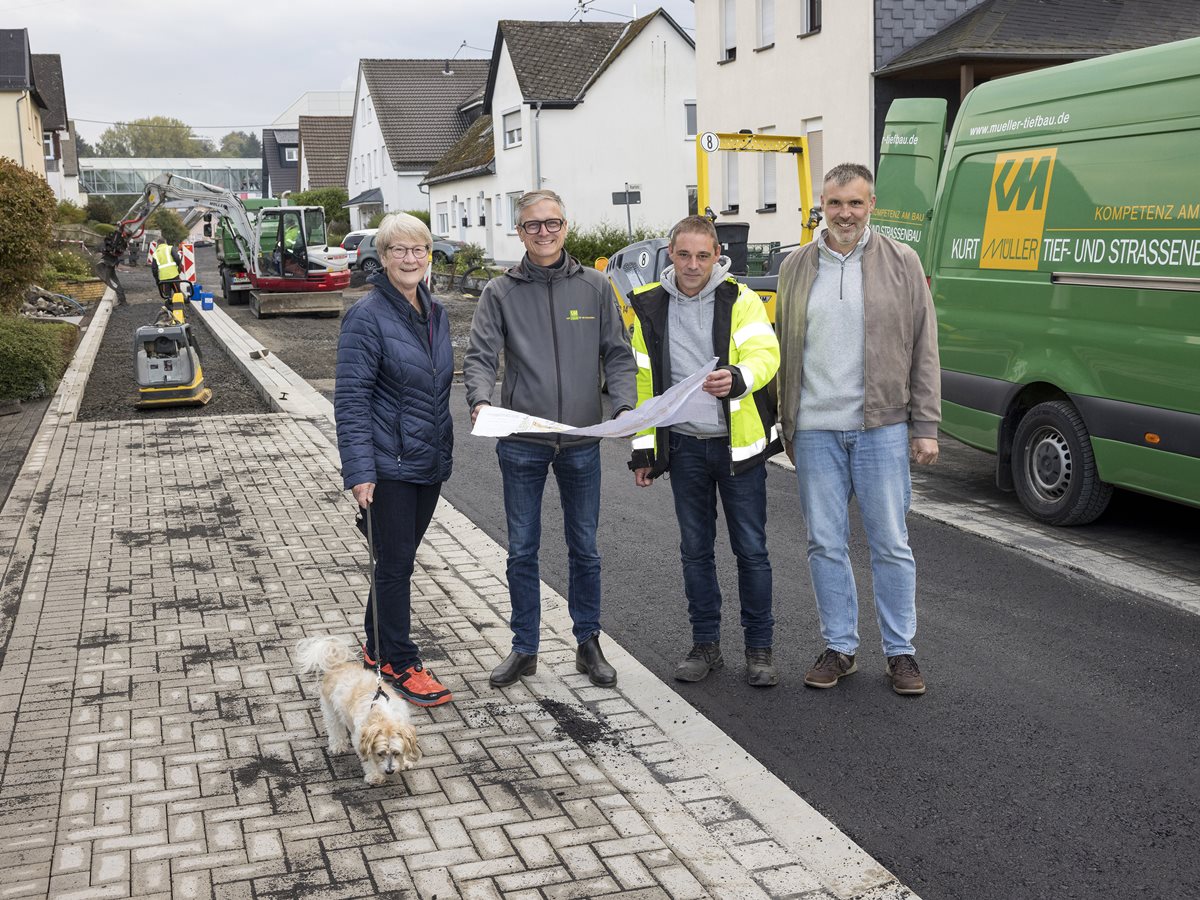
[[306, 343], [112, 387]]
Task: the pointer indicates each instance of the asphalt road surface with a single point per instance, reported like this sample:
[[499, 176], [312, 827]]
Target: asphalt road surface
[[1054, 754]]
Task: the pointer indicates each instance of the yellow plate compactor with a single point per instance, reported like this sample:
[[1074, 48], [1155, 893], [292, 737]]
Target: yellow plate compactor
[[167, 363]]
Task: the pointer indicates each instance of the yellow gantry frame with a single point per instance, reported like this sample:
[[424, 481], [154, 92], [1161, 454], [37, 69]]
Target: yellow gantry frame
[[739, 142]]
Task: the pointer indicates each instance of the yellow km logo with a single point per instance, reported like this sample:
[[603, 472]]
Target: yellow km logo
[[574, 316], [1016, 214]]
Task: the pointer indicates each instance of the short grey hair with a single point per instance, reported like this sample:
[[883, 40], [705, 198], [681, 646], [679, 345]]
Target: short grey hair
[[529, 198], [397, 227], [843, 174]]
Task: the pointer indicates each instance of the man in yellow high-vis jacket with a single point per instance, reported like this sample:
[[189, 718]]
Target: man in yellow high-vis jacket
[[694, 313], [166, 263]]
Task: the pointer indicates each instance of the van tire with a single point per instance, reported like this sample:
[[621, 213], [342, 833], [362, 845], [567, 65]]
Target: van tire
[[1054, 469]]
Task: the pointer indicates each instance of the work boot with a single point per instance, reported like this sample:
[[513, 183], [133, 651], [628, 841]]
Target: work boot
[[829, 667], [701, 659], [514, 666], [590, 659], [906, 677], [760, 667]]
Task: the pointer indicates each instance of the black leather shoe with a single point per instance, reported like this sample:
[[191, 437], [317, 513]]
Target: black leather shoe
[[590, 659], [514, 666]]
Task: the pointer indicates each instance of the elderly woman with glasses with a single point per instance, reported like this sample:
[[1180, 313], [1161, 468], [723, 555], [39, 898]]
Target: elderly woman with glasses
[[395, 435]]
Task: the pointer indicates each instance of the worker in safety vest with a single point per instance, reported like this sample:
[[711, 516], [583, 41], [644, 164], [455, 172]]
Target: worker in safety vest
[[695, 313], [166, 264]]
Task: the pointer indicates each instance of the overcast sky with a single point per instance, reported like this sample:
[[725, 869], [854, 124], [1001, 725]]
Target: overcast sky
[[224, 65]]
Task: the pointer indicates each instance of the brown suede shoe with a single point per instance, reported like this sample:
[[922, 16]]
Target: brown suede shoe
[[906, 677], [829, 667]]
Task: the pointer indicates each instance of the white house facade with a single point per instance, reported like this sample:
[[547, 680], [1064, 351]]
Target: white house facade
[[585, 109], [405, 117], [784, 68]]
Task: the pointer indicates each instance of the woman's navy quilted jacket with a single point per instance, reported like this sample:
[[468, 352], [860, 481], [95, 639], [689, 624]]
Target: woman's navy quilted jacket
[[391, 399]]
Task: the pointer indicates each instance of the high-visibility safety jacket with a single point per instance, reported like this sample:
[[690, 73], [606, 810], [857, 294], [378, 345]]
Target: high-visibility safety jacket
[[168, 269], [743, 342]]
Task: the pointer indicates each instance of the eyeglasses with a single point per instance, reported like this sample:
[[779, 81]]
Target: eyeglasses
[[551, 226], [401, 252]]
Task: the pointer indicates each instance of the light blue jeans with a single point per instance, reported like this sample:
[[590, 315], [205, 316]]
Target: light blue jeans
[[872, 465]]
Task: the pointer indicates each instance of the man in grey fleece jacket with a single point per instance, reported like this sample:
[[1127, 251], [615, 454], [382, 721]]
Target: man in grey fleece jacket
[[557, 324], [859, 392]]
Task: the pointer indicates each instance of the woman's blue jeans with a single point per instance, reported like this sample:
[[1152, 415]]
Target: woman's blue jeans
[[523, 467], [871, 465]]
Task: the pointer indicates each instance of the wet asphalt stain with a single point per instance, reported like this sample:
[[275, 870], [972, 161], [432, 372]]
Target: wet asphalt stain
[[192, 565], [579, 725], [196, 530], [102, 639], [280, 774], [205, 655], [105, 696], [133, 539]]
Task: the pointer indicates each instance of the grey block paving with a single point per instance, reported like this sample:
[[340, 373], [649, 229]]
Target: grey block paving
[[154, 741], [158, 742]]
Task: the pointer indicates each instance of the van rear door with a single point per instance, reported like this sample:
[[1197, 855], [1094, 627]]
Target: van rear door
[[910, 158]]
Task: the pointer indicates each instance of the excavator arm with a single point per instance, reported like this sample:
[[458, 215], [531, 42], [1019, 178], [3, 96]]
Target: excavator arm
[[168, 188]]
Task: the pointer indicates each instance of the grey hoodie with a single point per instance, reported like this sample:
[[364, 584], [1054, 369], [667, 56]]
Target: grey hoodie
[[556, 327], [690, 337]]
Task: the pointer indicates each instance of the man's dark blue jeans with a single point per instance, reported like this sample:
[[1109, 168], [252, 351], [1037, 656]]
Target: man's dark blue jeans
[[699, 467], [524, 467]]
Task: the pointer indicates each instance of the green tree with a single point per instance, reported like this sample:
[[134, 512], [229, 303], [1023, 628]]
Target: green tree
[[27, 210], [332, 199], [152, 136], [241, 145], [83, 149], [99, 209], [168, 222]]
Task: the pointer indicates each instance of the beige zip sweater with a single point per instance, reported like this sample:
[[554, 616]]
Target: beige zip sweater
[[901, 370]]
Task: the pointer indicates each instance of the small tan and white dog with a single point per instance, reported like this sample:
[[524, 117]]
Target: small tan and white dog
[[377, 729]]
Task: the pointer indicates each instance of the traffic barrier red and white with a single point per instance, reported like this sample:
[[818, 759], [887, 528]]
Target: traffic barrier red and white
[[188, 252], [150, 252]]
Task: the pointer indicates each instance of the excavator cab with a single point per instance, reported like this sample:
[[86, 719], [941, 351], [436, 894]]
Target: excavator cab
[[283, 230]]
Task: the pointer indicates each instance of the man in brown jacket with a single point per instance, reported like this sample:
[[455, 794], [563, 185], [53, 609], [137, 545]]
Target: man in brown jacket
[[859, 392]]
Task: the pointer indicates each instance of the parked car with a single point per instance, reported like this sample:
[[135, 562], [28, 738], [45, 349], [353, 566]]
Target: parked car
[[444, 248], [367, 255], [350, 244]]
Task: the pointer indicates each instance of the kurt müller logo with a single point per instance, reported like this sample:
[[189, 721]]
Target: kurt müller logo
[[1016, 214], [574, 316]]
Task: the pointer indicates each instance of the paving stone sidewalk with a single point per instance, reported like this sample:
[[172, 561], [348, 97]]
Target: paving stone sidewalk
[[158, 743]]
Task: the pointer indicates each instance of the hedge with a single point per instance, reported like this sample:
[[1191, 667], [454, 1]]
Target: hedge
[[33, 356], [604, 240], [27, 210]]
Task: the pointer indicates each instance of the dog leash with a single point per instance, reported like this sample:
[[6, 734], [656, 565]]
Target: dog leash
[[373, 600]]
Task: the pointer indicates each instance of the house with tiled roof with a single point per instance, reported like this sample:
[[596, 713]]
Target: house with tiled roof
[[20, 129], [407, 114], [280, 161], [324, 150], [58, 141], [831, 71], [587, 109]]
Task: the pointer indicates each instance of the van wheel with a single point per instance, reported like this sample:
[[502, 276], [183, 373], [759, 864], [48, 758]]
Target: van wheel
[[1054, 469]]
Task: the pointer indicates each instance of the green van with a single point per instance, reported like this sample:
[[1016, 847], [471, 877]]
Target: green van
[[1062, 241]]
